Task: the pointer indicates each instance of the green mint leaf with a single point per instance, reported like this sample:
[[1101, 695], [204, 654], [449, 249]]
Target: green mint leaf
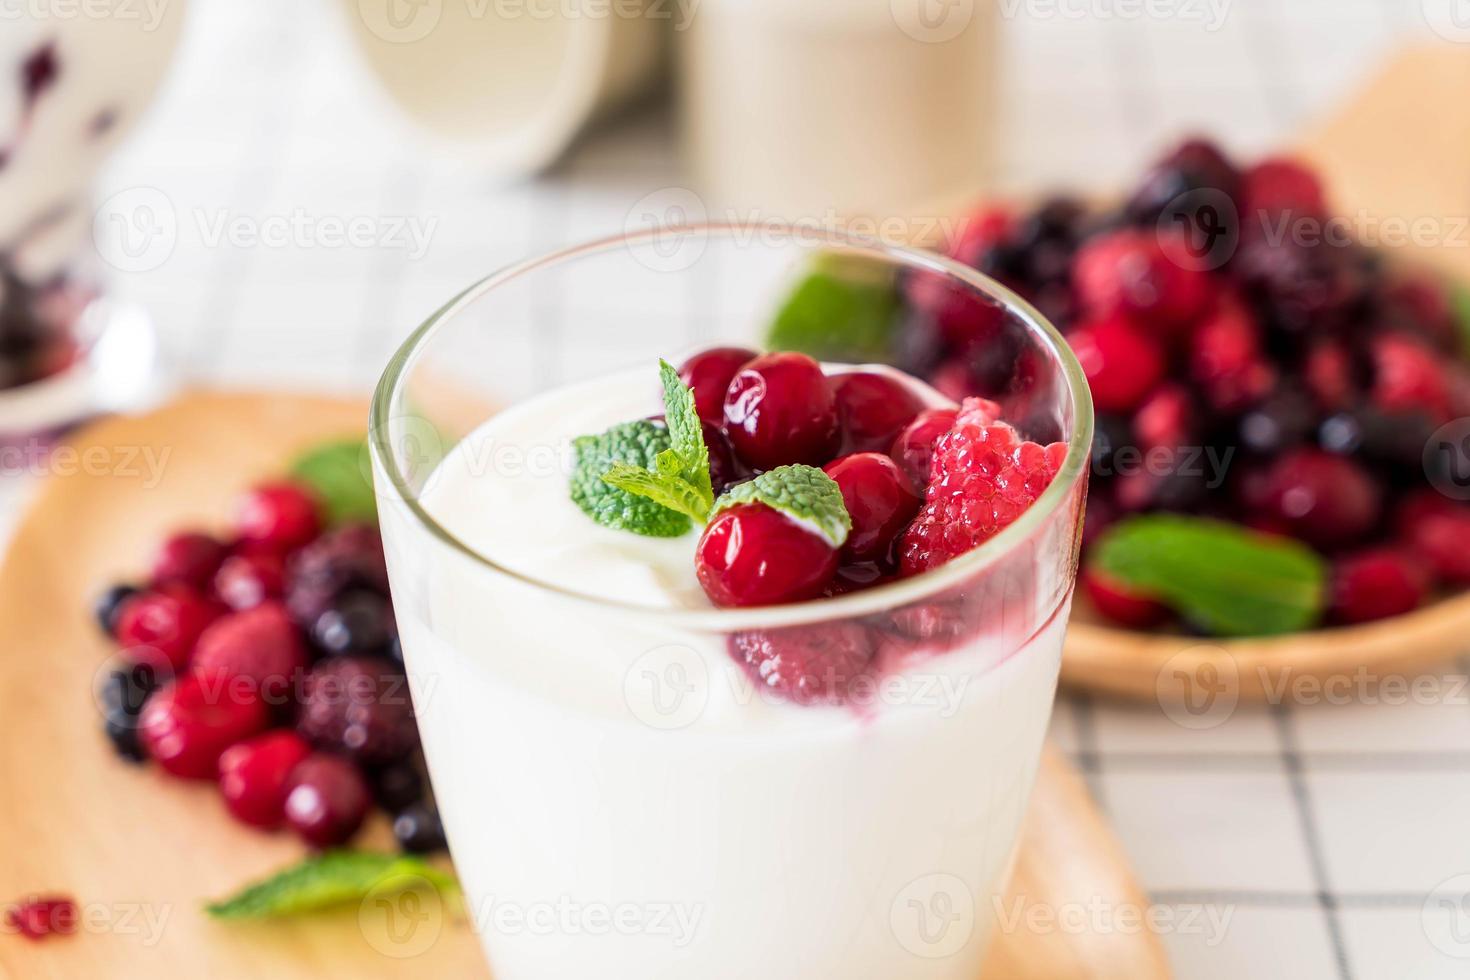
[[686, 433], [1460, 297], [844, 310], [333, 878], [805, 494], [1222, 577], [338, 474], [636, 444], [663, 489]]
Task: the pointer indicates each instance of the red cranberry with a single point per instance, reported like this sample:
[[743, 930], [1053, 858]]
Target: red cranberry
[[1129, 273], [880, 500], [1277, 185], [914, 448], [187, 558], [1122, 363], [1376, 585], [806, 664], [874, 408], [780, 409], [1121, 604], [1438, 532], [1408, 377], [751, 555], [709, 374], [247, 579], [187, 723], [253, 775], [1165, 419], [282, 516], [42, 917], [1324, 499], [326, 800], [1225, 359], [167, 622], [261, 644], [1328, 373]]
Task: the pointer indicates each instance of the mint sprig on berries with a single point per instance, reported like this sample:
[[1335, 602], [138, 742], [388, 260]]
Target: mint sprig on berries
[[333, 878], [804, 494], [679, 478], [1224, 578], [638, 446]]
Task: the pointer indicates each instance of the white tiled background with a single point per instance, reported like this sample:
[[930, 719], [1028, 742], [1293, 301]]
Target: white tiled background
[[1319, 832]]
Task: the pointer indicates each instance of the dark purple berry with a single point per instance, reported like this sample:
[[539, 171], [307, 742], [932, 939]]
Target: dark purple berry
[[359, 623], [109, 606], [359, 706], [418, 829], [396, 786]]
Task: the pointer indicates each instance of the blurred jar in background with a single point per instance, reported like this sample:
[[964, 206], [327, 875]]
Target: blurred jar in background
[[74, 78], [802, 109]]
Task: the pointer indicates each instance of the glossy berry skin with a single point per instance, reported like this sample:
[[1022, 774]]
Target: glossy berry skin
[[358, 623], [806, 664], [326, 800], [1129, 273], [1122, 362], [913, 449], [984, 476], [166, 624], [109, 605], [188, 722], [1376, 585], [880, 500], [280, 516], [418, 829], [187, 558], [780, 409], [1118, 604], [752, 555], [247, 579], [709, 374], [359, 707], [260, 644], [253, 775], [874, 409], [1325, 500], [724, 469]]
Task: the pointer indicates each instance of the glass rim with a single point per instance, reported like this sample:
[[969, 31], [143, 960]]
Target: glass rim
[[891, 595]]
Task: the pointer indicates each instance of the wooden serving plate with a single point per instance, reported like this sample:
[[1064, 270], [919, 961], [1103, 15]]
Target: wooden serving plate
[[1395, 152], [140, 852]]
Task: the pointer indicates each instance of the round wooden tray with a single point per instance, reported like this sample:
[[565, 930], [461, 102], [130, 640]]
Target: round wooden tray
[[140, 852]]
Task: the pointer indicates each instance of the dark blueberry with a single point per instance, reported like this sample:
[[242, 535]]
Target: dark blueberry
[[1341, 434], [124, 688], [1388, 438], [109, 605], [1282, 421], [359, 622], [1112, 433], [395, 787], [122, 732], [418, 829], [1056, 220], [395, 651], [1193, 167]]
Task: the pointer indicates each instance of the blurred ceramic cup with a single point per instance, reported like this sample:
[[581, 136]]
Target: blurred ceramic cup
[[805, 108], [74, 79], [503, 86]]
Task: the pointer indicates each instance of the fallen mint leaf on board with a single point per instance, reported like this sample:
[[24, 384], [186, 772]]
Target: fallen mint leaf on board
[[333, 878], [1222, 577], [335, 472], [844, 310], [804, 494], [635, 444]]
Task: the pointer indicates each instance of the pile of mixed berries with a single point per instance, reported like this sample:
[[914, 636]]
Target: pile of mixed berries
[[269, 662], [1249, 361]]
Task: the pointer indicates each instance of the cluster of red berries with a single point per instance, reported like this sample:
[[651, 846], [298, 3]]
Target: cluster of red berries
[[1248, 361], [921, 486], [270, 663]]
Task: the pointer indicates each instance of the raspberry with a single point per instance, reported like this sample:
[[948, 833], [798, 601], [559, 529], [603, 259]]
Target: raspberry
[[983, 476], [359, 706], [806, 664], [1130, 273], [913, 450], [261, 644], [1122, 363], [1407, 377], [1376, 585], [1225, 359]]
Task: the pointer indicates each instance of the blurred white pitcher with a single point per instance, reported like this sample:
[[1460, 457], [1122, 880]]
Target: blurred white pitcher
[[505, 85], [805, 108]]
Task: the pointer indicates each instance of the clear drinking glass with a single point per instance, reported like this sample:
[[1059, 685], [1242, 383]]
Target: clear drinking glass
[[621, 800]]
